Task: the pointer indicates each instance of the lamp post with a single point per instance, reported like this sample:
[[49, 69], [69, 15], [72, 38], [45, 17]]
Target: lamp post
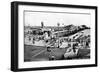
[[58, 24]]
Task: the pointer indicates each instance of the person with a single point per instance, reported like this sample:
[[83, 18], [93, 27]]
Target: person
[[29, 38], [74, 47], [33, 40], [48, 49]]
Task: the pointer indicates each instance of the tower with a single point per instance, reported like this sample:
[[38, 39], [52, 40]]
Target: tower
[[42, 24]]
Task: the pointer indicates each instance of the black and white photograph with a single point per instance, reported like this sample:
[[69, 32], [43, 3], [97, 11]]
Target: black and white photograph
[[53, 36], [56, 36]]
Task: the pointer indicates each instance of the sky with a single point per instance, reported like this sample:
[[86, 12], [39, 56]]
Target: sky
[[51, 18]]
